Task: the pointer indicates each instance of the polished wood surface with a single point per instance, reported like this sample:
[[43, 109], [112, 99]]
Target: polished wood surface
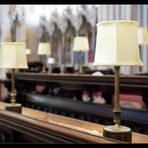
[[47, 128], [82, 130]]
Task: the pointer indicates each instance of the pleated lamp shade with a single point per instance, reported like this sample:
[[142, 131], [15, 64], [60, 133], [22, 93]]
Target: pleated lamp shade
[[44, 49], [12, 55], [28, 51], [117, 44], [142, 36], [81, 44]]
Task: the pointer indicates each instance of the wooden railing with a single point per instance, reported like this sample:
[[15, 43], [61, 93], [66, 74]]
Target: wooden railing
[[34, 126]]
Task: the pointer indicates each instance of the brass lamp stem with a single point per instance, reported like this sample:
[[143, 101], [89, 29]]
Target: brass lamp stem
[[13, 90], [80, 66], [117, 131], [117, 109], [44, 69], [44, 65]]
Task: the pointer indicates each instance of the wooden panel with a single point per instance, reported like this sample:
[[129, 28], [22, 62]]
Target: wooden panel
[[125, 81], [132, 84]]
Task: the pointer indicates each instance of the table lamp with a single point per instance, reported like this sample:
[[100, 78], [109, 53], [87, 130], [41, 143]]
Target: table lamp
[[117, 45], [81, 45], [44, 49], [51, 61], [12, 56], [28, 52]]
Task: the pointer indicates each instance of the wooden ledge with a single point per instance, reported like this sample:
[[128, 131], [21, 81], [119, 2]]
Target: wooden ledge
[[76, 128]]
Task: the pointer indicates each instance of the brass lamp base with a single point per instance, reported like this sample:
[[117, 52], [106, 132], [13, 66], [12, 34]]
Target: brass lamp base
[[121, 133], [15, 107], [80, 72]]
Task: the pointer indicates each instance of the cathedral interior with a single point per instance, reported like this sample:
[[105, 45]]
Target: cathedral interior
[[74, 74]]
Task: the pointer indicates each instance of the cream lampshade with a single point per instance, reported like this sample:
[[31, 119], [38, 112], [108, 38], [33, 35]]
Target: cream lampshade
[[13, 56], [142, 36], [81, 45], [44, 49], [51, 61], [28, 51], [117, 45]]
